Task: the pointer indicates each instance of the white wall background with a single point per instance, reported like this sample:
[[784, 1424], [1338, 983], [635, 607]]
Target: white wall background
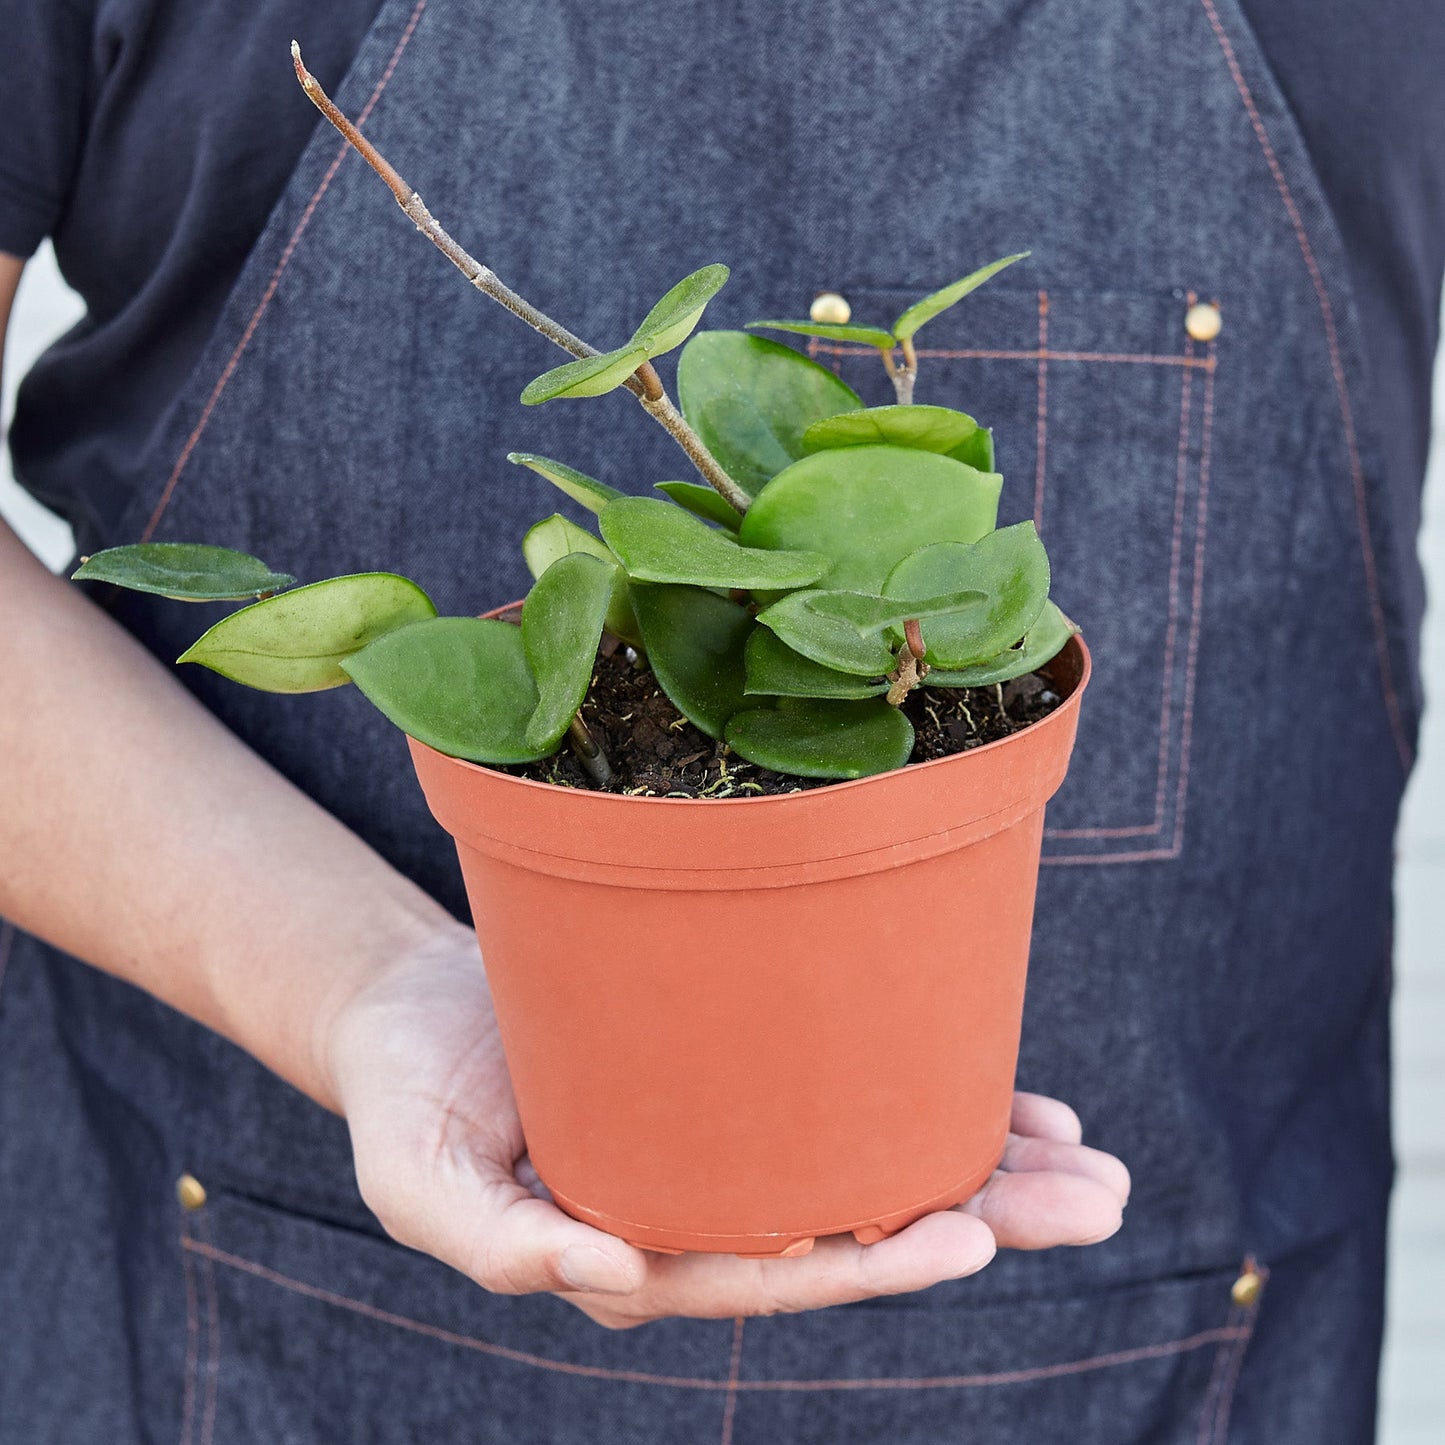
[[1414, 1403]]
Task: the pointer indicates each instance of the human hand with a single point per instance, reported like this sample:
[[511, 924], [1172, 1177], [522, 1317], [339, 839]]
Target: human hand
[[416, 1064]]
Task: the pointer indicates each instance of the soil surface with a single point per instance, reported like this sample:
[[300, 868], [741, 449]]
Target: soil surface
[[656, 753]]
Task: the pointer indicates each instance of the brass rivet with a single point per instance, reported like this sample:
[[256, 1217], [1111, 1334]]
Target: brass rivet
[[830, 308], [1245, 1290], [191, 1192], [1203, 321]]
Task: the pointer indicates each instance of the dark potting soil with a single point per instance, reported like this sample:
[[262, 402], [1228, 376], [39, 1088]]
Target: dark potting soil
[[656, 753]]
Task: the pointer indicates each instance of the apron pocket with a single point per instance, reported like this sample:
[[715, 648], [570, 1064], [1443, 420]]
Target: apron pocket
[[300, 1330], [1102, 409]]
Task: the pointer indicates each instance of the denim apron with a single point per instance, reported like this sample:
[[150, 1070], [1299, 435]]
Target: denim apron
[[1210, 975]]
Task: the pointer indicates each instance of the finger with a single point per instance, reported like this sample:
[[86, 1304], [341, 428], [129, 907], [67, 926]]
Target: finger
[[1043, 1118], [838, 1271], [477, 1217], [1031, 1156], [1045, 1209]]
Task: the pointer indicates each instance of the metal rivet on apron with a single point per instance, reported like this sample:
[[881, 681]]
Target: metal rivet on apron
[[191, 1192], [1203, 321], [1245, 1290], [831, 308]]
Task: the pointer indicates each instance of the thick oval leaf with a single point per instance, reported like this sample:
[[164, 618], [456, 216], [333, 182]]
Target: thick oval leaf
[[672, 320], [1044, 642], [459, 684], [588, 376], [702, 501], [1010, 566], [925, 310], [657, 542], [695, 642], [927, 428], [185, 571], [843, 332], [868, 507], [774, 668], [298, 641], [556, 537], [977, 450], [828, 639], [822, 739], [581, 488], [751, 400], [562, 621]]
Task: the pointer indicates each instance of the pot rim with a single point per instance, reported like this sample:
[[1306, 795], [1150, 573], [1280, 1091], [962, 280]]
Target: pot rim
[[1056, 718]]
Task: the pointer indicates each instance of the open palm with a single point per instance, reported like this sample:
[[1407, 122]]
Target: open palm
[[441, 1160]]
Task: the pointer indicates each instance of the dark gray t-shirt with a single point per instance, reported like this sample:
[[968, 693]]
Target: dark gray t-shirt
[[150, 139]]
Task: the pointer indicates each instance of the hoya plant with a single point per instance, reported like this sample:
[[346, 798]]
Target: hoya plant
[[833, 558]]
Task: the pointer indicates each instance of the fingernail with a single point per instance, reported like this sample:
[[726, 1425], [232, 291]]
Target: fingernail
[[586, 1267]]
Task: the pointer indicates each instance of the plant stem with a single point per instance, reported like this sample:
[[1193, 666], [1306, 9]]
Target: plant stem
[[911, 669], [588, 751], [903, 376], [644, 383]]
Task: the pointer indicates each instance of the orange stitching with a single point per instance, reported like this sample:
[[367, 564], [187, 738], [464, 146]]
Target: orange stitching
[[1148, 856], [1175, 548], [213, 1348], [1176, 544], [1225, 1405], [684, 1382], [1342, 390], [1197, 603], [1042, 434], [234, 362], [193, 1326], [735, 1365], [1036, 354]]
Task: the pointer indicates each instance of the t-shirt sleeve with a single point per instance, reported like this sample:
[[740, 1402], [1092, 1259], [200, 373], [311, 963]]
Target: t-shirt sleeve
[[45, 67]]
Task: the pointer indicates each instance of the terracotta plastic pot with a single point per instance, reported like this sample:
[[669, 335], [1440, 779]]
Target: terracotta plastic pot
[[738, 1025]]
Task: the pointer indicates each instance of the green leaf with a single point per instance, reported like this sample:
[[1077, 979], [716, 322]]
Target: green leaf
[[868, 507], [695, 642], [927, 428], [588, 376], [459, 684], [832, 331], [751, 400], [672, 320], [702, 501], [562, 621], [1009, 566], [823, 739], [1044, 642], [581, 488], [841, 630], [185, 571], [976, 451], [774, 668], [834, 642], [657, 542], [297, 642], [925, 310], [556, 537]]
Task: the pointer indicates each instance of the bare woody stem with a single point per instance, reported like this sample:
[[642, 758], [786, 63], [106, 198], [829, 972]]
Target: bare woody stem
[[911, 669], [644, 383], [903, 376]]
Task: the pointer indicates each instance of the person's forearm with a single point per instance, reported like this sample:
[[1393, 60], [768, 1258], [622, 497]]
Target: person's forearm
[[140, 835]]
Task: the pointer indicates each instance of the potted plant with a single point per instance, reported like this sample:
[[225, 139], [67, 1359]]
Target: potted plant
[[748, 792]]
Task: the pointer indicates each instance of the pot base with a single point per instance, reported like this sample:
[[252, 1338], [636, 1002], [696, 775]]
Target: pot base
[[773, 1246]]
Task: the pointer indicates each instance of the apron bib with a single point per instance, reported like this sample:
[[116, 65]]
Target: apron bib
[[1210, 974]]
